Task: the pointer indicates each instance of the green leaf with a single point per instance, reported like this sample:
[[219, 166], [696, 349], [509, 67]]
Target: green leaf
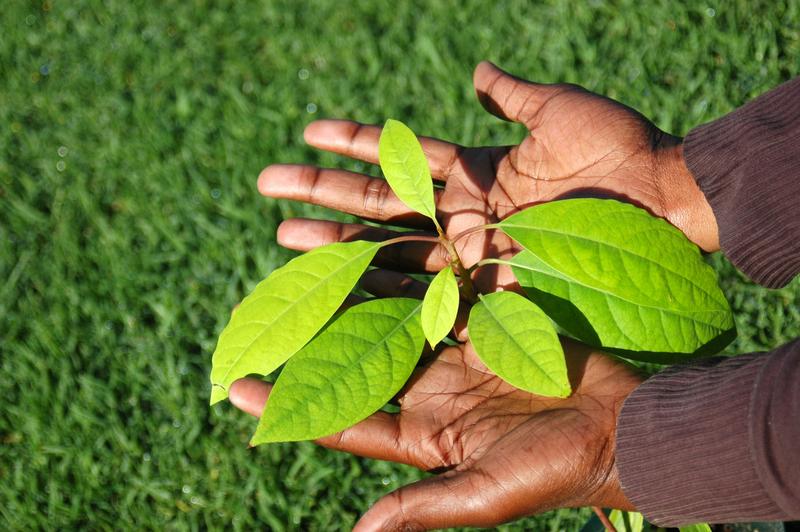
[[626, 521], [405, 167], [285, 311], [440, 306], [615, 276], [346, 373], [516, 340], [546, 288], [699, 527]]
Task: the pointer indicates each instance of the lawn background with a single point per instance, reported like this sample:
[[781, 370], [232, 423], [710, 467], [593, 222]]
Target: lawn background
[[131, 135]]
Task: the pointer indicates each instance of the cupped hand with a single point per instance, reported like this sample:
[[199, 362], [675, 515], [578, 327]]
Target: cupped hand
[[579, 144], [501, 453]]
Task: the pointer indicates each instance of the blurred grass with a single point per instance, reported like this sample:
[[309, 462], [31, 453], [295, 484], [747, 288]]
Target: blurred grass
[[131, 135]]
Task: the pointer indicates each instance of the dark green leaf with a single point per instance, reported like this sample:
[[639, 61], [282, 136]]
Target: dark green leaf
[[615, 276]]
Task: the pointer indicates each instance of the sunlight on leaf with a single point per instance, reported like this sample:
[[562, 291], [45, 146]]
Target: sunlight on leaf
[[285, 311], [633, 281], [440, 306], [405, 167], [516, 340], [346, 373]]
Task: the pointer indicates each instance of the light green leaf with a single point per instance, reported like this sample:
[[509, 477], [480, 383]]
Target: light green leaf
[[405, 167], [440, 306], [285, 311], [346, 373], [615, 276], [699, 527], [626, 521], [516, 340]]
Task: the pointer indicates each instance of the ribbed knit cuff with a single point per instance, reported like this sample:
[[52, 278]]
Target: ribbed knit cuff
[[747, 164], [683, 445]]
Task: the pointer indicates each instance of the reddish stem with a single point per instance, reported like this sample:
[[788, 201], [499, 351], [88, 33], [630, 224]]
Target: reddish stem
[[604, 519], [471, 230]]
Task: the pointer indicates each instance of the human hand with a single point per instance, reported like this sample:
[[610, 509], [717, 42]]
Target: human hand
[[502, 453], [579, 144]]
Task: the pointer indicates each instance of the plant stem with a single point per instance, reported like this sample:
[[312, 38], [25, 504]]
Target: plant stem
[[486, 262], [604, 519], [468, 291], [467, 288], [475, 229], [439, 229], [411, 238]]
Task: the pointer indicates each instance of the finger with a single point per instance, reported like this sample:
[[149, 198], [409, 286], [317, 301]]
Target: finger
[[361, 142], [249, 395], [375, 437], [387, 283], [351, 301], [449, 500], [338, 189], [302, 234], [509, 97]]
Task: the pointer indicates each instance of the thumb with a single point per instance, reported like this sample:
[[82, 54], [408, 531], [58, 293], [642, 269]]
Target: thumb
[[448, 500], [509, 97]]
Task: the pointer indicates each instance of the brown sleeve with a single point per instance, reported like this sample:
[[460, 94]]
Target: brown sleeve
[[719, 440], [715, 441], [747, 164]]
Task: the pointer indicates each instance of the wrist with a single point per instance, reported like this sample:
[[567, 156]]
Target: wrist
[[610, 493], [684, 204]]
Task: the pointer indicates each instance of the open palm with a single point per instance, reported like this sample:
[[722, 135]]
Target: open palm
[[579, 144], [503, 453]]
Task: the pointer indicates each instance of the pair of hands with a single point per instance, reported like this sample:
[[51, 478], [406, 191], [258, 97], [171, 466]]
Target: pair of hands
[[501, 453]]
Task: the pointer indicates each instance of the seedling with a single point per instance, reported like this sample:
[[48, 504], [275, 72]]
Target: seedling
[[606, 273]]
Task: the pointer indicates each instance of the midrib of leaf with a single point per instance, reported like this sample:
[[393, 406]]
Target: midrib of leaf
[[345, 368], [520, 347], [621, 250], [437, 309], [682, 315], [287, 309]]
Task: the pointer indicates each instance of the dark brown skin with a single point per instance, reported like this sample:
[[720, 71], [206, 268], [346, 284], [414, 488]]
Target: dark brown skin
[[579, 144], [505, 453]]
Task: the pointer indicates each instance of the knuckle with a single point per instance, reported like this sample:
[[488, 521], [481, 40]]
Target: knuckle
[[311, 178], [355, 131], [375, 194], [338, 233]]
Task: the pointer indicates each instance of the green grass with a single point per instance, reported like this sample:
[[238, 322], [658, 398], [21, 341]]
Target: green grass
[[131, 134]]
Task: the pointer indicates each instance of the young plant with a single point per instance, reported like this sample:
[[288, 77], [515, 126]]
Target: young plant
[[606, 273]]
